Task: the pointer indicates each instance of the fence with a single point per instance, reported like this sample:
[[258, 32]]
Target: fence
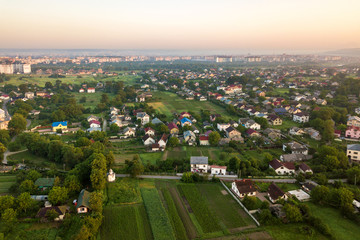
[[240, 203]]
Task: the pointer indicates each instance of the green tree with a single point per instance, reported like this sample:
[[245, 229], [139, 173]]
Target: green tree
[[321, 179], [293, 213], [24, 202], [96, 201], [331, 162], [8, 218], [55, 151], [187, 177], [82, 142], [58, 195], [214, 138], [353, 174], [17, 124], [234, 164], [4, 137], [173, 142], [135, 167], [98, 171], [328, 133], [27, 186], [6, 202], [320, 194], [33, 175], [72, 184], [51, 215], [114, 128]]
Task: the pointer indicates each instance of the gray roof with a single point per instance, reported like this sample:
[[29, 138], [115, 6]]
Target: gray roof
[[199, 160], [354, 147]]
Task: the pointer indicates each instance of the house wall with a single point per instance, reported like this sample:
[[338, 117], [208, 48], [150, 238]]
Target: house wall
[[353, 155], [199, 167], [218, 171]]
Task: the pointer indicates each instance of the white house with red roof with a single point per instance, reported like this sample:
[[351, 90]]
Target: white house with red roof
[[91, 90], [95, 124], [218, 170], [282, 168], [81, 90], [149, 131], [204, 140], [244, 187]]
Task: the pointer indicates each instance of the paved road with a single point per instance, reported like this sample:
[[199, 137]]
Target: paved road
[[7, 153], [276, 180]]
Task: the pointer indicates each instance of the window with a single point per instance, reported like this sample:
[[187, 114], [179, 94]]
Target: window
[[204, 166]]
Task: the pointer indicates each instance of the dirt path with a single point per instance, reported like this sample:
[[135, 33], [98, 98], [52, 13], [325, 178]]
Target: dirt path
[[190, 228]]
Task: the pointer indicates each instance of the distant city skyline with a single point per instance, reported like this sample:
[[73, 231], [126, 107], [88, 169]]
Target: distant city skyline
[[201, 27]]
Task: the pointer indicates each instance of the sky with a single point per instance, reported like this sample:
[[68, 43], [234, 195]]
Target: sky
[[271, 26]]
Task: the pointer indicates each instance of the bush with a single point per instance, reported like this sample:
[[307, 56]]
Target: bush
[[14, 146]]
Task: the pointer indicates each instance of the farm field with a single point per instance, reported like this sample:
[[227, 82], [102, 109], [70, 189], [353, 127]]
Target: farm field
[[159, 206], [40, 80], [5, 183], [168, 103], [34, 231], [341, 228], [291, 231]]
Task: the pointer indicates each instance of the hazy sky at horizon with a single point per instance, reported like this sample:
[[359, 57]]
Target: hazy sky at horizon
[[277, 25]]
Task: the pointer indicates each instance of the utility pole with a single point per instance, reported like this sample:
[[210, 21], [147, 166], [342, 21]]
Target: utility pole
[[355, 180]]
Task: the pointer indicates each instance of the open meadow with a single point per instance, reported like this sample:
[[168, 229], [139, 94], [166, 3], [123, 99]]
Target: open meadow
[[40, 80], [168, 103]]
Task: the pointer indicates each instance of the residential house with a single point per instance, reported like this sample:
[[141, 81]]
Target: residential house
[[91, 90], [4, 125], [274, 120], [148, 140], [92, 118], [223, 126], [29, 95], [59, 126], [232, 133], [294, 157], [244, 187], [301, 117], [173, 128], [252, 133], [214, 116], [308, 186], [273, 134], [218, 170], [81, 90], [185, 115], [295, 147], [140, 98], [163, 141], [296, 131], [44, 183], [280, 111], [314, 134], [144, 117], [129, 132], [199, 164], [352, 132], [155, 147], [149, 131], [252, 125], [275, 193], [83, 202], [95, 124], [282, 168], [353, 152], [185, 122], [204, 140], [60, 210], [189, 137], [304, 168], [353, 121]]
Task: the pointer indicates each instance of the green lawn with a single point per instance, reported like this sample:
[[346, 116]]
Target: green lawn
[[31, 160], [292, 231], [123, 190], [168, 103], [92, 99], [224, 206], [341, 227], [151, 158], [286, 124]]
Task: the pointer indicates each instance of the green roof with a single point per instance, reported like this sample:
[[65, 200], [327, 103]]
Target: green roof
[[45, 182], [84, 198]]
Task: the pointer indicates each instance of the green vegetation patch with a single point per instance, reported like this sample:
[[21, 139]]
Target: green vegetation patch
[[159, 221], [224, 206], [124, 190], [207, 220]]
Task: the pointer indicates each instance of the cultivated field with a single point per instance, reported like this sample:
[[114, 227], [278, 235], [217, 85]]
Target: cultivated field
[[169, 209], [6, 181]]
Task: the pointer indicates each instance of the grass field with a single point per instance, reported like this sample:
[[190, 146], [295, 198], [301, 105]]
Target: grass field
[[32, 160], [168, 103], [226, 209], [40, 80], [151, 158], [34, 230], [92, 99], [286, 124], [6, 181], [341, 227], [292, 231], [123, 190]]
